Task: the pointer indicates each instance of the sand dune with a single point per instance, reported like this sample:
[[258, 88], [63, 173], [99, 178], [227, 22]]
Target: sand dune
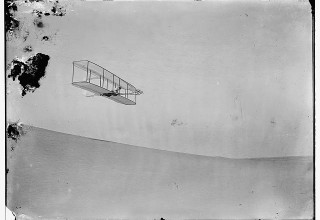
[[53, 175]]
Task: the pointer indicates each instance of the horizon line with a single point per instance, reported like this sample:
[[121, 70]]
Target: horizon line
[[232, 158]]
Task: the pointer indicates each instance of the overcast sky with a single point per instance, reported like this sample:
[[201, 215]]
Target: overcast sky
[[237, 77]]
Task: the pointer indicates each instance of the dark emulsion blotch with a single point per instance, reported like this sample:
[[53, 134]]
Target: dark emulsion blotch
[[11, 23], [30, 72]]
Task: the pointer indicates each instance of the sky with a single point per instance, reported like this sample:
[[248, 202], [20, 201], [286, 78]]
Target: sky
[[235, 77]]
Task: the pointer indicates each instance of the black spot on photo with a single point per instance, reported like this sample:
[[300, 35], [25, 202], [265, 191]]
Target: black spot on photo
[[30, 72]]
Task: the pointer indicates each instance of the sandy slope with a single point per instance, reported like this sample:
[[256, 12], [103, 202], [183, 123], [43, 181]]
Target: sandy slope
[[53, 174]]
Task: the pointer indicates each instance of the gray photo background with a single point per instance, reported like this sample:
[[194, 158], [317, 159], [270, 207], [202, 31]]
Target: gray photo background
[[220, 80]]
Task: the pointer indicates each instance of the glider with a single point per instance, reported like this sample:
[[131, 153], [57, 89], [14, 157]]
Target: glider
[[101, 82]]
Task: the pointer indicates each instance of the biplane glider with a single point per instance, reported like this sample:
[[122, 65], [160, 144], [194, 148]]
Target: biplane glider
[[101, 82]]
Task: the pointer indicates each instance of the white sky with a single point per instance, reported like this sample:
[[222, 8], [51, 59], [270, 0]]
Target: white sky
[[237, 75]]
